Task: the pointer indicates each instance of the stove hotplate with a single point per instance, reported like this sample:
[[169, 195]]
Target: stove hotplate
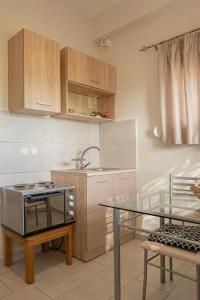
[[31, 186]]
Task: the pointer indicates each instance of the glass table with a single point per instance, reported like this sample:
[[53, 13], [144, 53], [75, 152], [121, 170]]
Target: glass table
[[160, 205]]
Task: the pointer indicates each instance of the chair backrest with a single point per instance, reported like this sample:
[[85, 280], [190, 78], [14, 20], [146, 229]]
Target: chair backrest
[[181, 186]]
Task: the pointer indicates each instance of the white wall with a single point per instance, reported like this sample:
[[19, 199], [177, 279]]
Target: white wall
[[138, 93], [123, 14], [57, 141]]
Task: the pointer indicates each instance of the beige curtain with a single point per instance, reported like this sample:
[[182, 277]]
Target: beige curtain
[[179, 81]]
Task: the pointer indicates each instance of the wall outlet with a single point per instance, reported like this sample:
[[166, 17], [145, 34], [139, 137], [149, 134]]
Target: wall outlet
[[33, 150], [24, 151]]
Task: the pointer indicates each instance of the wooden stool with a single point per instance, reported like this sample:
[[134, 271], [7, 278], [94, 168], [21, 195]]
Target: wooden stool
[[34, 240]]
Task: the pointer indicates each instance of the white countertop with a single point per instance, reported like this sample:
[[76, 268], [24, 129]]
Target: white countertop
[[95, 171]]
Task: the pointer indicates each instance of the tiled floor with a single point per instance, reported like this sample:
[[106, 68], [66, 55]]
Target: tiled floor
[[94, 280]]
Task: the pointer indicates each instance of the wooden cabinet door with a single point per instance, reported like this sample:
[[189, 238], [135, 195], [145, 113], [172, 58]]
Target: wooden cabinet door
[[90, 71], [99, 78], [104, 76], [111, 79], [41, 73], [99, 189], [79, 67]]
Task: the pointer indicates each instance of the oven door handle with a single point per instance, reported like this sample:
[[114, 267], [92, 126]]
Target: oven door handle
[[44, 196]]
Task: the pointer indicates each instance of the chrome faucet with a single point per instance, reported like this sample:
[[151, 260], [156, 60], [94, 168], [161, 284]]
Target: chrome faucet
[[82, 159]]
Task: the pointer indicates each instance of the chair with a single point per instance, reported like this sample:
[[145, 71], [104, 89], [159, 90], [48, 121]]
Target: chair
[[179, 187]]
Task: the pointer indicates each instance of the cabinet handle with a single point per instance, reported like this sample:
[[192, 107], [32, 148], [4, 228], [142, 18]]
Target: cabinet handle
[[43, 103], [94, 81], [101, 181]]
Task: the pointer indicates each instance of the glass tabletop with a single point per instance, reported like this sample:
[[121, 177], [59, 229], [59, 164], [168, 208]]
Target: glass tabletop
[[182, 208]]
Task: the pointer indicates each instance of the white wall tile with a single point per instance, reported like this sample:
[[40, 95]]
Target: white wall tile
[[22, 128], [68, 152], [26, 177], [57, 142], [94, 135], [62, 155], [119, 132], [118, 156], [12, 161], [70, 132], [118, 144]]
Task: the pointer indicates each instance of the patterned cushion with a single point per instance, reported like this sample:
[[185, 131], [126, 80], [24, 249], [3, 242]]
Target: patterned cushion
[[191, 233]]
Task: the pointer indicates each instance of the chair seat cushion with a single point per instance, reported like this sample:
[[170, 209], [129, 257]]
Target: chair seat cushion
[[191, 233]]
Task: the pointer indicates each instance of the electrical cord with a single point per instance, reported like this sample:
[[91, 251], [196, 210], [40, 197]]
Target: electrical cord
[[55, 246]]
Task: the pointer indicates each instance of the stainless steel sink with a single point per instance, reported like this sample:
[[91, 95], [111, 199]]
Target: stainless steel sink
[[94, 170], [101, 169]]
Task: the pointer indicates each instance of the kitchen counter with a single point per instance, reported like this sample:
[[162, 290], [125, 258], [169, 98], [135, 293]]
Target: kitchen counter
[[95, 171]]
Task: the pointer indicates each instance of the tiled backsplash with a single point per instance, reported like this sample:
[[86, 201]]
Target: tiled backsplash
[[118, 144], [57, 142]]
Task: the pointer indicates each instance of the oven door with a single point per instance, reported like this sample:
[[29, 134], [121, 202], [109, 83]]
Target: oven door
[[43, 212]]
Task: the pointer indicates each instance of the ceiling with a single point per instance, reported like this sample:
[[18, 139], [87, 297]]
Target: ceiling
[[92, 8]]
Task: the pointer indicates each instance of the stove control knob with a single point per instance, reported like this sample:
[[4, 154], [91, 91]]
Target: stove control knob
[[71, 197], [28, 199]]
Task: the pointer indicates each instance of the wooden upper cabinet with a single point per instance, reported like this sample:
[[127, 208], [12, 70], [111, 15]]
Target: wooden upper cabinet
[[79, 66], [89, 71], [111, 78], [104, 76], [34, 74]]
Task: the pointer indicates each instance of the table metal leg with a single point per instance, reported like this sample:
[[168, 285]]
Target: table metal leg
[[162, 258], [198, 281], [162, 271], [117, 280]]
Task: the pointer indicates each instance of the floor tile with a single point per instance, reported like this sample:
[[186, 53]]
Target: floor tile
[[3, 270], [93, 288], [131, 268], [130, 247], [61, 278], [4, 290], [27, 293], [127, 249], [154, 280], [185, 290], [94, 280], [13, 281], [105, 259], [134, 291]]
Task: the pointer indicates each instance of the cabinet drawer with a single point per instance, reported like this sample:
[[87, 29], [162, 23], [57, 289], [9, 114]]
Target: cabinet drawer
[[99, 189], [124, 185], [100, 235]]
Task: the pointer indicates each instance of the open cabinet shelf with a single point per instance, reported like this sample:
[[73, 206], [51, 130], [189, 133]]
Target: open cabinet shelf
[[79, 107], [81, 94], [84, 118]]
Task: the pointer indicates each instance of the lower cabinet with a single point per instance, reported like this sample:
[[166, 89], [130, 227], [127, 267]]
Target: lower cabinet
[[93, 232], [99, 189]]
